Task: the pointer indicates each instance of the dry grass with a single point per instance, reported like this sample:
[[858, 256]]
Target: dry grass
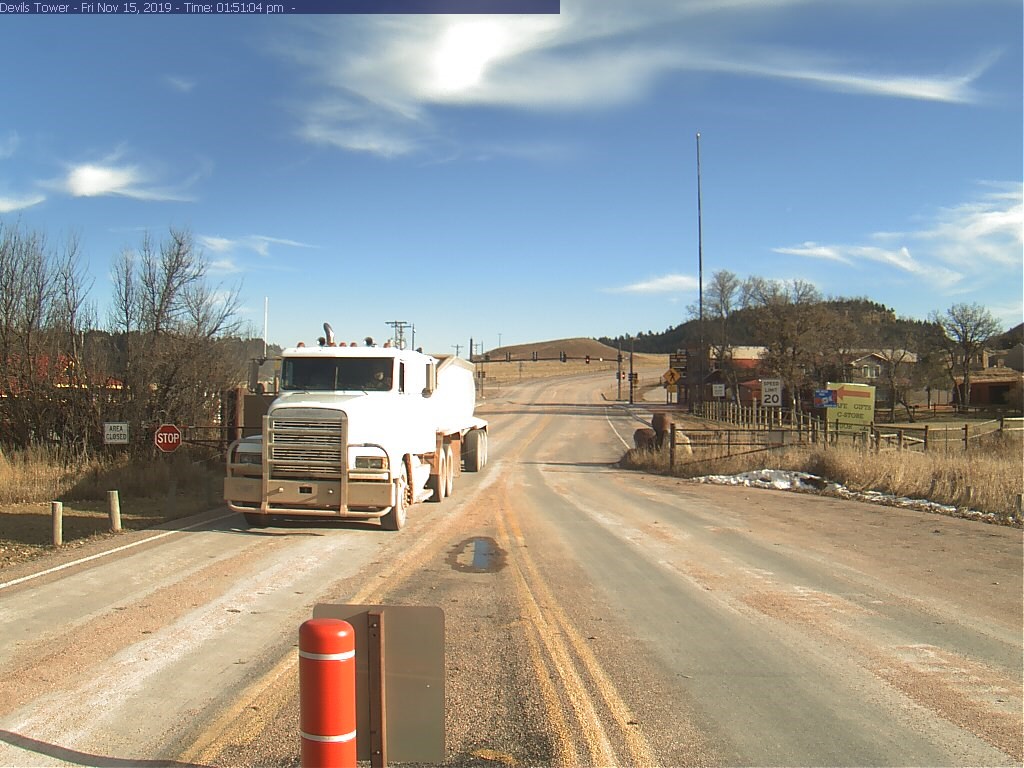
[[149, 492], [986, 480]]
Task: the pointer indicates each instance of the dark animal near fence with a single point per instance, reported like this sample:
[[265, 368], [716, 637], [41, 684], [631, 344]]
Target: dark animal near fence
[[662, 423], [644, 439]]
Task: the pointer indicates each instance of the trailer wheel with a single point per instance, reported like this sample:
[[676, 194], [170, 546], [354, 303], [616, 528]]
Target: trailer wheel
[[438, 483], [449, 474], [474, 450], [256, 520], [395, 519]]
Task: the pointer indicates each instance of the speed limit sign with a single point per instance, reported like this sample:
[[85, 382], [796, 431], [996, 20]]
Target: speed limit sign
[[771, 392]]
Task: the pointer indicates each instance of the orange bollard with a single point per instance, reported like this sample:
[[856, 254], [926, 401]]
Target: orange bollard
[[327, 693]]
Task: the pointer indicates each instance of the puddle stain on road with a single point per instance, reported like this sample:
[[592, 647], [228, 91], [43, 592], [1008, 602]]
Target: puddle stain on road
[[479, 554]]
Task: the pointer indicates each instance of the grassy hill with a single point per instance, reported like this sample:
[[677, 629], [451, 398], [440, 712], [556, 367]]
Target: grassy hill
[[573, 348]]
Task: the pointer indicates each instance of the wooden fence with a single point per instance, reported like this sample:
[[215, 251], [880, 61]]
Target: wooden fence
[[767, 428]]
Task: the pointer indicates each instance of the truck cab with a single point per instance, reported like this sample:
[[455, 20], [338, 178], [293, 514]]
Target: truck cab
[[356, 432]]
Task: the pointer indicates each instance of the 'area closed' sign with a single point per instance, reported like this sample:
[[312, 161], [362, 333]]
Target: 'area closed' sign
[[167, 438]]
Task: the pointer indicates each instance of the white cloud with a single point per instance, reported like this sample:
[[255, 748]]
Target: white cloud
[[812, 250], [9, 145], [989, 230], [385, 76], [976, 241], [260, 244], [180, 84], [113, 178], [9, 204], [224, 266], [217, 244], [663, 284]]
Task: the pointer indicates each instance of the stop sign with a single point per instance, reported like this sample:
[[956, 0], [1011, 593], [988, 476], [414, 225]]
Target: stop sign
[[167, 438]]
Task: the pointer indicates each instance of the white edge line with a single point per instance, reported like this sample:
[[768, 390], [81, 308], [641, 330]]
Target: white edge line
[[609, 420], [97, 556]]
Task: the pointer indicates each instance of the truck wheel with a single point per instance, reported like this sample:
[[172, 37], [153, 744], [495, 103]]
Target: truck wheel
[[473, 450], [395, 519], [256, 520], [437, 483], [449, 474]]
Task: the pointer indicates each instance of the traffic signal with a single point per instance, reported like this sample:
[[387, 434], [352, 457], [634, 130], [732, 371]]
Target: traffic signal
[[563, 357], [588, 359], [535, 355]]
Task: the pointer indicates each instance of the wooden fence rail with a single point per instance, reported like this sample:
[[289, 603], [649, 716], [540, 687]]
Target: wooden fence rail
[[805, 428]]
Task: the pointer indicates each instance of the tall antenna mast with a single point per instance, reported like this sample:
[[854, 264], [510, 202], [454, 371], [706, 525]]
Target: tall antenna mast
[[700, 283]]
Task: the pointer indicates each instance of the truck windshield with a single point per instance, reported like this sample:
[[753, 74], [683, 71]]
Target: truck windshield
[[325, 374]]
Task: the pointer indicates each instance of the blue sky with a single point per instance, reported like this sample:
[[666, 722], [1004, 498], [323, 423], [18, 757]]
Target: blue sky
[[532, 177]]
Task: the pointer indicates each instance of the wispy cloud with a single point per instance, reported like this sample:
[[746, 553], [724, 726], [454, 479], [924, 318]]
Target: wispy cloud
[[259, 244], [381, 79], [180, 84], [663, 284], [112, 176], [9, 144], [9, 204], [977, 240]]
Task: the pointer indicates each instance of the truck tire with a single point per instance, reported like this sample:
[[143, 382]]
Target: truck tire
[[256, 520], [473, 450], [449, 474], [395, 519], [438, 483]]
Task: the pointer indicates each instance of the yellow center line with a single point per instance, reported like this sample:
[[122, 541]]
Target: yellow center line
[[240, 718], [638, 746], [597, 741]]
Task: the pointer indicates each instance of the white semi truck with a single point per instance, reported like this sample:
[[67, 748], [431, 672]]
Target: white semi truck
[[358, 432]]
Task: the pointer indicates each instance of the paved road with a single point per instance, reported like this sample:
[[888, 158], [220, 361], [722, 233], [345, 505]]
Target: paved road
[[612, 619]]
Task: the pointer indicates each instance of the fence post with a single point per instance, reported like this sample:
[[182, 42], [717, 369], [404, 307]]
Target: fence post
[[926, 438], [327, 693], [114, 503], [57, 518], [899, 439], [671, 447], [966, 435]]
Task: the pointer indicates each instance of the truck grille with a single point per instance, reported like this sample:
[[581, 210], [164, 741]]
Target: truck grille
[[310, 444]]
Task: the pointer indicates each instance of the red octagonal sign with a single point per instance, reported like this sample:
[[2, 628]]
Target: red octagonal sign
[[167, 438]]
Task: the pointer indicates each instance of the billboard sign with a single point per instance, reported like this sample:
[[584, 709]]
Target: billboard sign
[[855, 406]]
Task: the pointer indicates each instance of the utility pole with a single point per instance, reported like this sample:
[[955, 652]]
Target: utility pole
[[399, 327], [457, 348], [618, 372], [631, 347]]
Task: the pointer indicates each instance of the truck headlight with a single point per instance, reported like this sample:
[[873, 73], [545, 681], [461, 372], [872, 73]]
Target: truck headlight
[[371, 462], [249, 458]]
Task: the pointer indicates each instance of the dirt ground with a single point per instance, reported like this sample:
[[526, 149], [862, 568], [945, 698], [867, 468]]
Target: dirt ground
[[26, 530]]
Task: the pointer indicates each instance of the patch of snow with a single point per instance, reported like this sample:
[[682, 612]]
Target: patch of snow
[[786, 480]]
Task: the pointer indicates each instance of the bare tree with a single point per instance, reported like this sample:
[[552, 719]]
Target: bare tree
[[723, 299], [790, 321], [42, 322], [966, 328], [171, 323]]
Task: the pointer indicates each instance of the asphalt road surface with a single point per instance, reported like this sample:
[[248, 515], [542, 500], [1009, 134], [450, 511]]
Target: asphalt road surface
[[593, 617]]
